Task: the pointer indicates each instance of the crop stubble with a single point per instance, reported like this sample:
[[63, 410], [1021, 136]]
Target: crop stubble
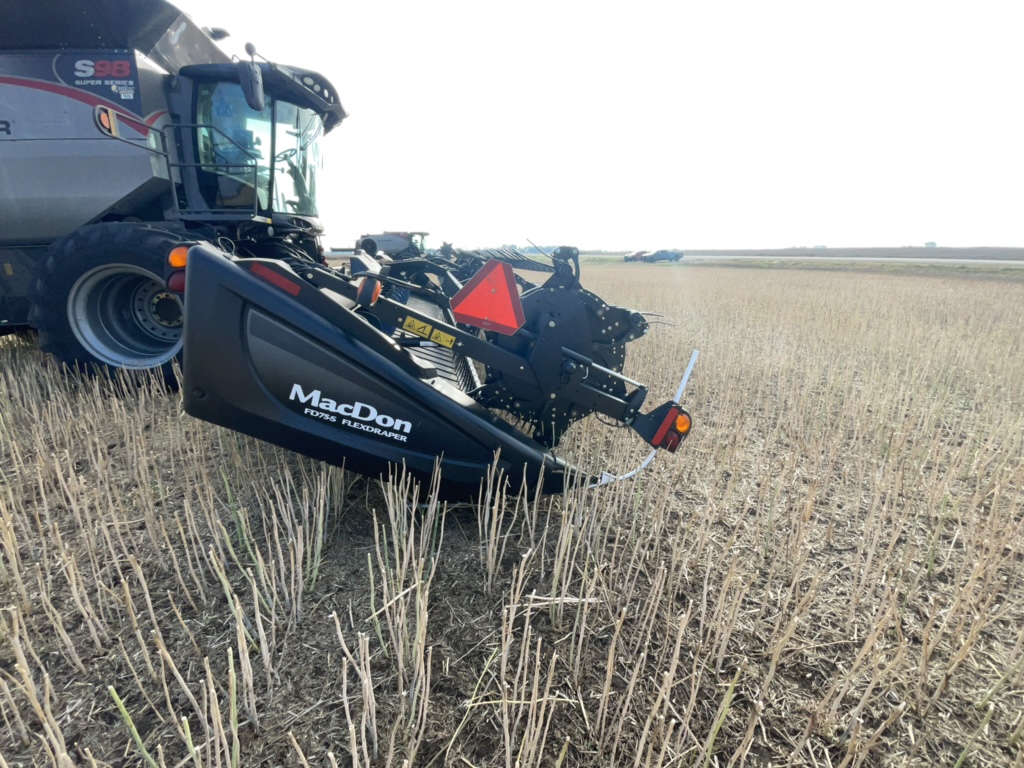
[[828, 573]]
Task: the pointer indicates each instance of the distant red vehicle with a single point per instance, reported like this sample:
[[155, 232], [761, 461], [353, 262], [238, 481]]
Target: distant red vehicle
[[635, 256]]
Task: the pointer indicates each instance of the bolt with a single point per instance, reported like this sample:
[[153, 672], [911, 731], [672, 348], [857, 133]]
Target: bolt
[[551, 324]]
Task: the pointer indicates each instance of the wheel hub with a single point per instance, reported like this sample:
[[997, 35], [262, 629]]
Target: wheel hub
[[166, 310], [158, 311], [125, 316]]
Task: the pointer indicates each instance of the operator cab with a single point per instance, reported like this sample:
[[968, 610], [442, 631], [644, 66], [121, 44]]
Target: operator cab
[[248, 164], [418, 241], [270, 158]]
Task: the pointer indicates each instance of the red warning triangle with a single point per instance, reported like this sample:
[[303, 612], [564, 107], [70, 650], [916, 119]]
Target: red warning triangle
[[490, 300]]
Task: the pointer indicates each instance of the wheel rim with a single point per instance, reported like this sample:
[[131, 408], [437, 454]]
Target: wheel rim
[[125, 317]]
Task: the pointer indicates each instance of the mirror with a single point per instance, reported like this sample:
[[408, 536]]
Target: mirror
[[250, 77]]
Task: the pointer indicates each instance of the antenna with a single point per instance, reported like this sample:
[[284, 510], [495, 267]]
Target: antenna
[[538, 247]]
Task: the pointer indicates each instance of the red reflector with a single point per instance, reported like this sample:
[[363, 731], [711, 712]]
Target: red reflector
[[280, 281], [668, 421], [490, 300], [176, 282], [671, 442]]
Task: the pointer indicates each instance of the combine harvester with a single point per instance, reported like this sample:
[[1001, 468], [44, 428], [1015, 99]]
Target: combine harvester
[[158, 197]]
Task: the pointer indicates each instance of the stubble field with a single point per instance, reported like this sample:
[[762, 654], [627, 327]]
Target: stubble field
[[829, 573]]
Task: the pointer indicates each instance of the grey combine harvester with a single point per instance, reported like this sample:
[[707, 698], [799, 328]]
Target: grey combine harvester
[[158, 203]]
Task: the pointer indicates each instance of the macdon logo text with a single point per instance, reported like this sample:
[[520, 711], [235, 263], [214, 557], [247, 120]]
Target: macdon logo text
[[355, 415]]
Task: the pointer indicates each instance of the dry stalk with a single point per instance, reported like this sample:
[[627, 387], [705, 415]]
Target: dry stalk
[[245, 665], [361, 666], [407, 556], [492, 506], [39, 701]]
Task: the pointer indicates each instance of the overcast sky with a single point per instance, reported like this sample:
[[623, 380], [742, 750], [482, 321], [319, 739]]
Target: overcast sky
[[662, 124]]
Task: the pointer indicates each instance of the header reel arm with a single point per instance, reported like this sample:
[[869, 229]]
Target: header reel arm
[[563, 364]]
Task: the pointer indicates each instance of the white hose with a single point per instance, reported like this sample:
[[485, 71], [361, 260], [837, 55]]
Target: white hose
[[608, 478]]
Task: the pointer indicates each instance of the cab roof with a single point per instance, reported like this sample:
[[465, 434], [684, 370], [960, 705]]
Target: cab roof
[[155, 28]]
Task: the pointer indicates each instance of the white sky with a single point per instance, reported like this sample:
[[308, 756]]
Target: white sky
[[656, 124]]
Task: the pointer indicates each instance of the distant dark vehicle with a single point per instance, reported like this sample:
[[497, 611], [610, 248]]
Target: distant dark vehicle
[[651, 256], [635, 256]]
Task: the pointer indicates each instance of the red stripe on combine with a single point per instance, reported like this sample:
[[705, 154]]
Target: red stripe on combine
[[136, 123], [280, 281]]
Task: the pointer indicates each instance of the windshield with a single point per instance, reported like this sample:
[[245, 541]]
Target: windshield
[[296, 158], [266, 161]]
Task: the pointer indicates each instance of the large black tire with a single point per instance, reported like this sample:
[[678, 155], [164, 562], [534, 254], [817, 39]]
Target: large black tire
[[99, 300]]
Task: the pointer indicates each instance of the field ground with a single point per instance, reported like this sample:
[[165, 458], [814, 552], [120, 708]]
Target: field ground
[[906, 252], [829, 573]]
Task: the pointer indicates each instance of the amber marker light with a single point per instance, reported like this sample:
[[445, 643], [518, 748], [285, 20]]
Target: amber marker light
[[106, 121], [178, 257], [683, 423], [368, 291]]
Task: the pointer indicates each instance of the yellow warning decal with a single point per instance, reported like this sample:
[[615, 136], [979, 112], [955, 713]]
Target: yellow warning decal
[[8, 269], [412, 325], [444, 339]]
